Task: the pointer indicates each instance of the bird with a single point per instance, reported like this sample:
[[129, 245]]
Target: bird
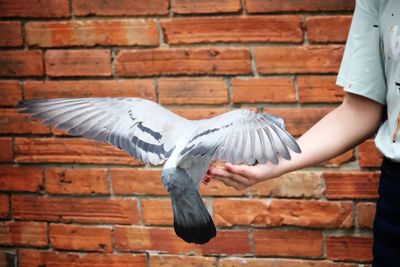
[[186, 148]]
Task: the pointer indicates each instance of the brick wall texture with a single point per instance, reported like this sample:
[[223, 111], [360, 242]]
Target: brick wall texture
[[67, 201]]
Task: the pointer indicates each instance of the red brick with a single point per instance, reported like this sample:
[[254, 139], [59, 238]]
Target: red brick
[[316, 89], [57, 209], [298, 59], [14, 122], [205, 6], [127, 181], [324, 29], [263, 90], [299, 120], [192, 91], [83, 238], [92, 32], [307, 213], [295, 184], [349, 248], [339, 185], [69, 150], [288, 243], [95, 62], [260, 262], [90, 88], [369, 155], [157, 211], [35, 9], [25, 179], [10, 33], [183, 61], [138, 238], [266, 6], [199, 113], [7, 153], [181, 260], [76, 181], [120, 7], [366, 214], [29, 258], [10, 93], [341, 159], [217, 188], [21, 63], [23, 234], [233, 29], [4, 206]]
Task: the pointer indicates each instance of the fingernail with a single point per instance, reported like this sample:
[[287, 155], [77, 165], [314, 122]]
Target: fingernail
[[209, 172], [228, 168]]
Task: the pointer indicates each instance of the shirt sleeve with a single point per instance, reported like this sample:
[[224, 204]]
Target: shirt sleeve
[[361, 71]]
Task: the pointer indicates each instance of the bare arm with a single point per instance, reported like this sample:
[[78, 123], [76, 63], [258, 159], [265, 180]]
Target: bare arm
[[355, 120]]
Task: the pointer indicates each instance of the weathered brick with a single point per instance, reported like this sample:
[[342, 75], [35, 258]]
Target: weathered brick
[[217, 188], [324, 29], [341, 159], [21, 63], [82, 62], [192, 91], [14, 122], [92, 33], [263, 90], [183, 61], [205, 6], [10, 33], [199, 113], [120, 7], [299, 120], [233, 29], [57, 209], [295, 184], [298, 59], [369, 155], [138, 238], [23, 234], [339, 185], [127, 181], [316, 89], [29, 258], [288, 243], [366, 214], [25, 179], [10, 93], [76, 181], [4, 206], [7, 153], [260, 262], [34, 9], [307, 213], [266, 6], [142, 88], [349, 248], [157, 211], [69, 150], [181, 260], [83, 238]]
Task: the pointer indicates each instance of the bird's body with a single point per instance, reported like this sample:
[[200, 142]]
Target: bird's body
[[156, 136]]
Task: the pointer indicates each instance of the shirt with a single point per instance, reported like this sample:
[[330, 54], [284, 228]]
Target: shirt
[[370, 65]]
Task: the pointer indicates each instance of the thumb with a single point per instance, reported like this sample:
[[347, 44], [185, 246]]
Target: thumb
[[242, 170]]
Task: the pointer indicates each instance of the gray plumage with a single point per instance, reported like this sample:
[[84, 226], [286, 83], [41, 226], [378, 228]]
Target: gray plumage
[[155, 136]]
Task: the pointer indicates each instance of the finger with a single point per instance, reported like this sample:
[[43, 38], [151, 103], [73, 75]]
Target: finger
[[219, 172], [241, 170], [231, 183]]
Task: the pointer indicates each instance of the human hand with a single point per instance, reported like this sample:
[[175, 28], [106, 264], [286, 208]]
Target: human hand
[[241, 176]]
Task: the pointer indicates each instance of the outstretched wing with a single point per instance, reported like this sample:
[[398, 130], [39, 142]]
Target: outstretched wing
[[141, 127], [241, 136]]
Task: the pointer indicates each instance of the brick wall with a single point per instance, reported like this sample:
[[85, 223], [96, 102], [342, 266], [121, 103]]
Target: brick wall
[[67, 201]]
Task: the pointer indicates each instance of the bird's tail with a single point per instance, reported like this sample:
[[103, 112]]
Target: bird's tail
[[192, 222]]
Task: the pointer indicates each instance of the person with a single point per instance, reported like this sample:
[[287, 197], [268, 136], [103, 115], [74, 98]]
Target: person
[[370, 76]]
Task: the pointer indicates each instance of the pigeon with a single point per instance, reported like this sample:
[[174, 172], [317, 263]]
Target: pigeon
[[157, 136]]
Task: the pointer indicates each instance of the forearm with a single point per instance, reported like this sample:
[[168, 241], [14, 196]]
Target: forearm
[[355, 120]]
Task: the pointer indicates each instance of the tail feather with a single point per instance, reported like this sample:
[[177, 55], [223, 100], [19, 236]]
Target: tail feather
[[192, 222]]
